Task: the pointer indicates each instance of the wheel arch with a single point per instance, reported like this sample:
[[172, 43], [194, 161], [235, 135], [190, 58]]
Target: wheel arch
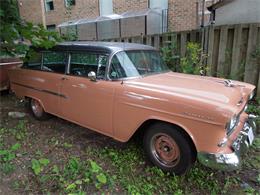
[[27, 97], [142, 128]]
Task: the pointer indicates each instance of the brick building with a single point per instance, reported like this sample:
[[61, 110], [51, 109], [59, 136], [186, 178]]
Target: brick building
[[181, 14]]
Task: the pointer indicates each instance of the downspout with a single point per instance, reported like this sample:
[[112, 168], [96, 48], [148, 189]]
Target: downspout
[[202, 68], [203, 14]]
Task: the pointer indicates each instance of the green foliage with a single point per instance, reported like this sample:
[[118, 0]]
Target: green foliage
[[20, 131], [7, 168], [256, 54], [253, 109], [6, 157], [72, 178], [238, 73], [191, 63], [169, 55], [38, 165], [13, 32], [204, 180], [77, 174], [134, 180]]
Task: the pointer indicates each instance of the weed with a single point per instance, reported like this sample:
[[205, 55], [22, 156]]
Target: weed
[[250, 191], [256, 144], [6, 157], [136, 179], [16, 185], [72, 169], [67, 145], [7, 168], [38, 165], [258, 178], [20, 131], [204, 180], [229, 182], [73, 178]]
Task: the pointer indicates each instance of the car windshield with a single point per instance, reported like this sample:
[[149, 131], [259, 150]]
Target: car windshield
[[127, 64]]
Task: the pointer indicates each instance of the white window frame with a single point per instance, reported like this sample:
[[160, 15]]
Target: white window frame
[[46, 5], [67, 3]]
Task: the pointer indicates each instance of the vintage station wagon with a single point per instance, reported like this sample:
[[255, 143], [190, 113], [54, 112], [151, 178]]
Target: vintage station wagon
[[121, 89]]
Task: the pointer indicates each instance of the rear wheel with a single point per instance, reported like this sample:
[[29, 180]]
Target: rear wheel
[[168, 148], [37, 110]]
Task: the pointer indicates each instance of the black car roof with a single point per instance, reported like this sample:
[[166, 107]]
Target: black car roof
[[104, 47]]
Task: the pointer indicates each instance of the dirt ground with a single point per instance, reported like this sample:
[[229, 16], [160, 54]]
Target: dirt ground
[[59, 140]]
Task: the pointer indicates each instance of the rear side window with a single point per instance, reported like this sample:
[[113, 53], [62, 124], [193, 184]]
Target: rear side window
[[83, 63], [54, 62], [33, 60]]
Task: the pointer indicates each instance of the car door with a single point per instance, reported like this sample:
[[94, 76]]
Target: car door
[[88, 103], [53, 69], [40, 78]]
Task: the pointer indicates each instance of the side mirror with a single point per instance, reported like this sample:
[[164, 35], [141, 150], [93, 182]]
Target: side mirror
[[92, 76]]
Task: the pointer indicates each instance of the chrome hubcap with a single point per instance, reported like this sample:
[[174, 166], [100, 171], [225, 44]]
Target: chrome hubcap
[[165, 150], [36, 107]]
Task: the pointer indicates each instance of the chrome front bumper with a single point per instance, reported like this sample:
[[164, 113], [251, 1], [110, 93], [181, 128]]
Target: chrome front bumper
[[231, 161]]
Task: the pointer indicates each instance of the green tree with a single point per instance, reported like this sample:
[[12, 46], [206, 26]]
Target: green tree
[[16, 34]]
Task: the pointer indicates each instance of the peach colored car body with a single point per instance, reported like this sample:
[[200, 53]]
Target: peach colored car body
[[5, 65], [200, 105]]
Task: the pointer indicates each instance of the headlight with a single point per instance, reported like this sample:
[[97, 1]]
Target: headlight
[[251, 95], [231, 124]]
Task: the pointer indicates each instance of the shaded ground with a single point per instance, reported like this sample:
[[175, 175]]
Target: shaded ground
[[56, 156]]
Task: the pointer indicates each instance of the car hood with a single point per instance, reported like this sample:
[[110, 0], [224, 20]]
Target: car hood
[[194, 87]]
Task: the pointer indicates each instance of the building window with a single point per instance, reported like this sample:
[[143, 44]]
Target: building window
[[69, 3], [49, 5], [51, 27]]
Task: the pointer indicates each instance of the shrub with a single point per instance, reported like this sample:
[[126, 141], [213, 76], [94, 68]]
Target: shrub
[[191, 63]]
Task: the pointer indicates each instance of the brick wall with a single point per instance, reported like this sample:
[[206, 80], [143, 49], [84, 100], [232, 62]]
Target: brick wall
[[120, 6], [182, 14], [82, 9], [32, 11]]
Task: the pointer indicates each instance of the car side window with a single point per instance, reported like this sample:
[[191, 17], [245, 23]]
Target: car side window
[[116, 70], [33, 60], [54, 62], [83, 63], [102, 64]]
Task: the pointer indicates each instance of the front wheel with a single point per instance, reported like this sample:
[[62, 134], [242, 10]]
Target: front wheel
[[168, 148]]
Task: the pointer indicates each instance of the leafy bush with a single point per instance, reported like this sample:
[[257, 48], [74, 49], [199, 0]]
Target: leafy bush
[[16, 34], [191, 63], [169, 55]]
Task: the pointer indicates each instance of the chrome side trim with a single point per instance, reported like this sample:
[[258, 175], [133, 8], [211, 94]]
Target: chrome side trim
[[41, 90]]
